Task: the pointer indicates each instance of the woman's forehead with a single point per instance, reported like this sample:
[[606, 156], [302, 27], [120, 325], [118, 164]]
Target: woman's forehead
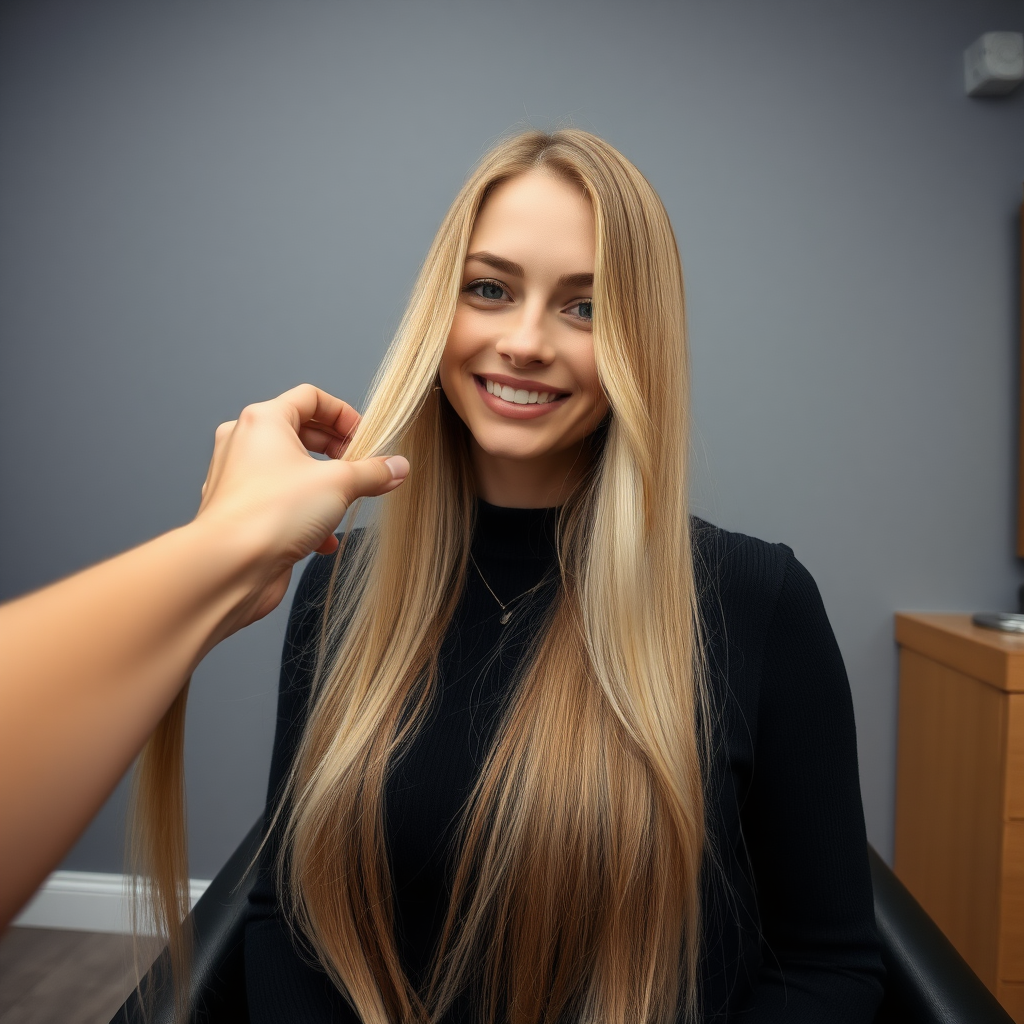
[[538, 216]]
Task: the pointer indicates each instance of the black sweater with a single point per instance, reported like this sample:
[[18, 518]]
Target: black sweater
[[789, 930]]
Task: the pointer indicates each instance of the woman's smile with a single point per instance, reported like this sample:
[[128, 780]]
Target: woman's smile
[[518, 399]]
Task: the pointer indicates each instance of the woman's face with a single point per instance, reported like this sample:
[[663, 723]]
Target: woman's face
[[519, 363]]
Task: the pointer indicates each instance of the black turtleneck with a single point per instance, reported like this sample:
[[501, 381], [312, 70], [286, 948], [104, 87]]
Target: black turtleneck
[[784, 811]]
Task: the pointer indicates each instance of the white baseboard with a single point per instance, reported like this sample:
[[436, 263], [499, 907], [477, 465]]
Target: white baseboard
[[86, 901]]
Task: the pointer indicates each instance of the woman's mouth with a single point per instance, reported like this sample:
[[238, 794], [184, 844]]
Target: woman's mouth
[[520, 396], [517, 403]]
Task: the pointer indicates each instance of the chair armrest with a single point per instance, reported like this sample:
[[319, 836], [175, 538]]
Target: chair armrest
[[216, 987], [927, 980]]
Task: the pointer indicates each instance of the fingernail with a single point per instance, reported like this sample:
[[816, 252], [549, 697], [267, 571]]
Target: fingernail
[[399, 466]]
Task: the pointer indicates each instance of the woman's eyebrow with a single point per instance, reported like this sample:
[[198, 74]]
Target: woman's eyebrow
[[584, 280], [576, 281], [498, 262]]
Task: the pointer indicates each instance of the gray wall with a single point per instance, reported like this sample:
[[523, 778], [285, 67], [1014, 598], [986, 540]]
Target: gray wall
[[203, 203]]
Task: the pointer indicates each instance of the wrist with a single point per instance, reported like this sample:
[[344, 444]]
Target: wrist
[[245, 568]]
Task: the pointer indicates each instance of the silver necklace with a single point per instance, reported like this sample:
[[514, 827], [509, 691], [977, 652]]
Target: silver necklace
[[506, 610]]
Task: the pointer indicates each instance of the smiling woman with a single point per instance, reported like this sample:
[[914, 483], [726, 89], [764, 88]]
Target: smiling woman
[[548, 748]]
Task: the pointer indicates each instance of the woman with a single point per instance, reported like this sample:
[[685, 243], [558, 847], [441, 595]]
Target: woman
[[547, 748]]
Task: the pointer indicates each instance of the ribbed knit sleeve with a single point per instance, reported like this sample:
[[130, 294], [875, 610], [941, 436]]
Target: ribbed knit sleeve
[[804, 826]]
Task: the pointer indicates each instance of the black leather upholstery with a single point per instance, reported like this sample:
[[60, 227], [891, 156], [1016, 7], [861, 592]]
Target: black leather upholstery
[[927, 981]]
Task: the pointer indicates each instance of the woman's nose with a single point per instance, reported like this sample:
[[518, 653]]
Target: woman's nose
[[526, 341]]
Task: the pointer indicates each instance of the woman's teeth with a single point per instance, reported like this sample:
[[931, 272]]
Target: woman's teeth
[[520, 397]]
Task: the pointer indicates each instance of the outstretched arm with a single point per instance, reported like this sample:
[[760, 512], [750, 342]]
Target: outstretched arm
[[89, 665]]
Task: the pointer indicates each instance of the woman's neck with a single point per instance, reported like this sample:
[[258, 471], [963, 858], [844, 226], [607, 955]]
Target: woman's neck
[[543, 482]]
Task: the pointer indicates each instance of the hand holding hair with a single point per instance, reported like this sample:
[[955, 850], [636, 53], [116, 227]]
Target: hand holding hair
[[89, 665], [263, 490]]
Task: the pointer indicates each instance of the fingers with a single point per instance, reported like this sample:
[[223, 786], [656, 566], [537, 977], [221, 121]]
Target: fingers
[[399, 467], [329, 546], [369, 477], [323, 423], [308, 404], [317, 439]]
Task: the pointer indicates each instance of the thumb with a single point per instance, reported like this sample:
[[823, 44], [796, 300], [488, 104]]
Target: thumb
[[365, 478]]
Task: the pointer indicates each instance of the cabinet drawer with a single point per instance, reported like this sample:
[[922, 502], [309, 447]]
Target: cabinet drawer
[[1011, 958], [1015, 757]]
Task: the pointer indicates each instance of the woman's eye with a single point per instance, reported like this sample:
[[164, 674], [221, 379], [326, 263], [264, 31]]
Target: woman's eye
[[584, 309], [490, 290]]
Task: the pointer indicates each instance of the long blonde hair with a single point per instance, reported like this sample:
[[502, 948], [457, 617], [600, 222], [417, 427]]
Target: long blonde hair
[[577, 886]]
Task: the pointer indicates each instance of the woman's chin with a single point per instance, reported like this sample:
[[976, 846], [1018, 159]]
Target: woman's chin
[[504, 452]]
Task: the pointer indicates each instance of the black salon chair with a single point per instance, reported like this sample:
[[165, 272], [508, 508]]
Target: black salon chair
[[927, 981]]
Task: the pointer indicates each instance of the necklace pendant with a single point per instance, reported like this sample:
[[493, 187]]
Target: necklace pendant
[[504, 619]]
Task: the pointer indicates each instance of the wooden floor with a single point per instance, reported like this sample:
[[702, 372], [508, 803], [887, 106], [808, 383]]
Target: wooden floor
[[48, 976]]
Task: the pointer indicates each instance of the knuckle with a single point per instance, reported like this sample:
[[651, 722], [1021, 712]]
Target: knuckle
[[250, 414]]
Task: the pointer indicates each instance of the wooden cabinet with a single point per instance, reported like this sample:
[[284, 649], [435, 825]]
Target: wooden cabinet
[[960, 790]]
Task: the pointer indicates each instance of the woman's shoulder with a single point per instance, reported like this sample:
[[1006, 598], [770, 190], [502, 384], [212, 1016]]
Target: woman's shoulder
[[743, 573], [753, 590], [759, 602]]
